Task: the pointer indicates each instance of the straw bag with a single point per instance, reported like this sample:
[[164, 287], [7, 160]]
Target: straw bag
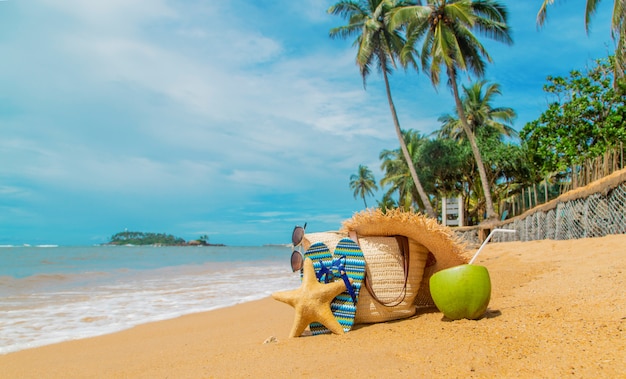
[[394, 270]]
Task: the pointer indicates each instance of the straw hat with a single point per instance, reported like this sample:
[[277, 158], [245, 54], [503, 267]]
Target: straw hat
[[447, 249]]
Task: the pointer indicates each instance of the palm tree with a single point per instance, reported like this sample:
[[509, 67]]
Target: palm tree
[[477, 102], [618, 28], [487, 122], [363, 183], [378, 44], [397, 174], [446, 27], [386, 203], [397, 177]]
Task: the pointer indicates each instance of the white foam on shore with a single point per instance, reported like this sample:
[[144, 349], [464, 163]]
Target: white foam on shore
[[86, 308]]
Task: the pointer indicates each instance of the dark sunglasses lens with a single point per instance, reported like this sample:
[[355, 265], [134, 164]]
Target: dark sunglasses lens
[[297, 235], [296, 261]]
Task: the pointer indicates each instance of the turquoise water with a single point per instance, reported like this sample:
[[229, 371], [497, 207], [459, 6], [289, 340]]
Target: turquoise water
[[20, 262], [53, 294]]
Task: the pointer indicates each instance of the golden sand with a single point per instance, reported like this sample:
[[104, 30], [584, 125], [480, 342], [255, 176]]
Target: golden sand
[[558, 309]]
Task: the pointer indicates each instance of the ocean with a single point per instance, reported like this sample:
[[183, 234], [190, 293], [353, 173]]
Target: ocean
[[50, 294]]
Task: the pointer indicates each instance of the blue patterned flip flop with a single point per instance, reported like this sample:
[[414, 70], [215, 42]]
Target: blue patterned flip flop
[[349, 261], [344, 305], [322, 259]]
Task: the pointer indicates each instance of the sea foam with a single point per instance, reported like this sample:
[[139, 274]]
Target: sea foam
[[50, 307]]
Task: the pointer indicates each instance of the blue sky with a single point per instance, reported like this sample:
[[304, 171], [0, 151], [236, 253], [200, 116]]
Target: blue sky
[[236, 119]]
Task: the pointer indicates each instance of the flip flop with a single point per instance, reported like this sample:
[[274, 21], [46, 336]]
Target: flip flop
[[344, 305], [322, 259], [348, 262]]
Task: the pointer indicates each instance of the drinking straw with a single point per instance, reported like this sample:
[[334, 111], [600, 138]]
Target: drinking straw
[[487, 240]]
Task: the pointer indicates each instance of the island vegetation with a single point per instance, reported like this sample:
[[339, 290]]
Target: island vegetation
[[156, 239]]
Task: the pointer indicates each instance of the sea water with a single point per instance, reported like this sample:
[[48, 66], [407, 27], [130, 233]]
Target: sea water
[[50, 294]]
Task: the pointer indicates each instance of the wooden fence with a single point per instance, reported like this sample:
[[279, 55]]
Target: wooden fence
[[595, 210]]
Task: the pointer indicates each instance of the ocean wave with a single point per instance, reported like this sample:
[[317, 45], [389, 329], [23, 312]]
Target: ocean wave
[[92, 307]]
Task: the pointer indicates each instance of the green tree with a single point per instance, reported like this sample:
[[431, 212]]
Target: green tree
[[477, 100], [618, 28], [387, 202], [380, 45], [508, 171], [363, 183], [397, 174], [397, 178], [586, 118], [443, 159], [489, 121], [141, 238], [447, 28]]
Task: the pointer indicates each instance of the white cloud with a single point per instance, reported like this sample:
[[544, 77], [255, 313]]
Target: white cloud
[[113, 13], [12, 192]]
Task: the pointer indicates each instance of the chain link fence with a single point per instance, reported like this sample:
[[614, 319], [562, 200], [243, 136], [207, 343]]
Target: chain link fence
[[596, 210]]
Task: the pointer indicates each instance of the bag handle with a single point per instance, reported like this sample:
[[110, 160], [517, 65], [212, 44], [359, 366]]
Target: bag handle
[[403, 245]]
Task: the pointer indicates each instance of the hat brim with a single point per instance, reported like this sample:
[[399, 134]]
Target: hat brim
[[447, 248]]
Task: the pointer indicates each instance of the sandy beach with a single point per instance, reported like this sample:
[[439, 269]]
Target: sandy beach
[[558, 309]]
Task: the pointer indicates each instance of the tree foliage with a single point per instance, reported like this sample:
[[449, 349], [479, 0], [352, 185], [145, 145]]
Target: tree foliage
[[397, 175], [141, 238], [477, 100], [363, 183], [586, 117], [448, 168], [584, 120]]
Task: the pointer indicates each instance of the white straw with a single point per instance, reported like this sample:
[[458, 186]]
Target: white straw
[[487, 240]]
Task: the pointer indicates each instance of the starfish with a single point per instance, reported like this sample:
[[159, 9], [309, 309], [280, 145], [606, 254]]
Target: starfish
[[312, 301]]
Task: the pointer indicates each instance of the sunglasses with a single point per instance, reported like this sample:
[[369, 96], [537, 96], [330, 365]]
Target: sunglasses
[[297, 259]]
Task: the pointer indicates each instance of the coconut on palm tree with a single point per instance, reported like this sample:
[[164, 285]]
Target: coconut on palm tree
[[446, 29], [380, 46], [363, 183]]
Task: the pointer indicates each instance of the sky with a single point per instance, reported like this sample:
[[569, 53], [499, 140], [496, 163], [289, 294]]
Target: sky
[[233, 119]]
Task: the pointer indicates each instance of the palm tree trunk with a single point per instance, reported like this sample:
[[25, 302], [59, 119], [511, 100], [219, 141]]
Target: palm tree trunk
[[491, 214], [409, 160]]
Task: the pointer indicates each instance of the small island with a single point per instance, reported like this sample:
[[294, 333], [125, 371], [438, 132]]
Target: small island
[[156, 239]]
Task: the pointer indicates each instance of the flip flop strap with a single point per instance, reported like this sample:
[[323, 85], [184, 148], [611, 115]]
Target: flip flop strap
[[324, 271], [341, 269]]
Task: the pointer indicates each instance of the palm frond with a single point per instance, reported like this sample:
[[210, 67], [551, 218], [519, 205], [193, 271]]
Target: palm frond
[[346, 8], [472, 52], [365, 55], [405, 15], [345, 31], [460, 12], [542, 15], [590, 10]]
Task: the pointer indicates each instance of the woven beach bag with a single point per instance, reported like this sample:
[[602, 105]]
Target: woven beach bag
[[402, 250]]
